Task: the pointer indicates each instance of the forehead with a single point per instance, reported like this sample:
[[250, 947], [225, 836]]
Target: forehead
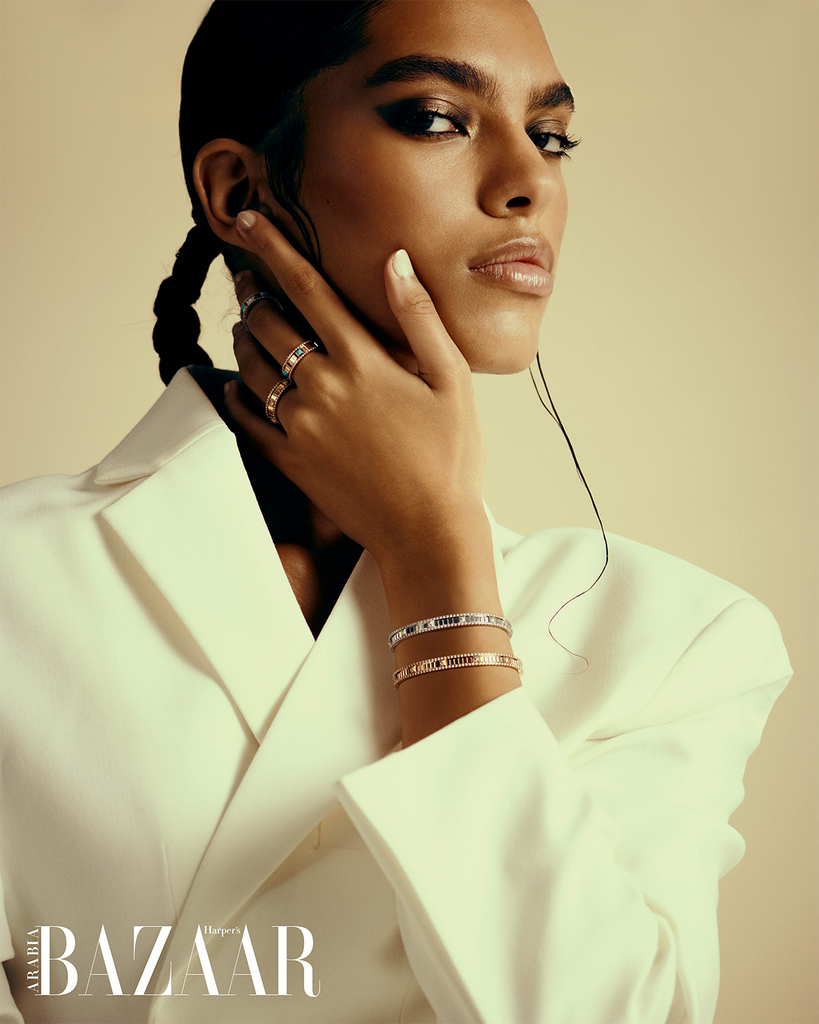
[[501, 37]]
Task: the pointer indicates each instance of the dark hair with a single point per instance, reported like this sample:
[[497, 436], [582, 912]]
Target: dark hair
[[244, 78]]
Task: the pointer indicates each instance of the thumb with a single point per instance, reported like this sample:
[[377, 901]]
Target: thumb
[[436, 353]]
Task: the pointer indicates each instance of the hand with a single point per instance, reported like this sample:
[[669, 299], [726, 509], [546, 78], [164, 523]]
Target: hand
[[393, 458]]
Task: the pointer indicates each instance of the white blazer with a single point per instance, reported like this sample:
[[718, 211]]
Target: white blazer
[[180, 754]]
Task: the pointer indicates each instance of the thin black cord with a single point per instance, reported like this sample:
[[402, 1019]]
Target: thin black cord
[[552, 411]]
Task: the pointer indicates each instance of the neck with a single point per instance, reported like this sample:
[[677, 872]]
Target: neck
[[289, 514], [317, 557]]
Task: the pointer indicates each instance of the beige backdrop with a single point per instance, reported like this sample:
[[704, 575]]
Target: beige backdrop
[[680, 345]]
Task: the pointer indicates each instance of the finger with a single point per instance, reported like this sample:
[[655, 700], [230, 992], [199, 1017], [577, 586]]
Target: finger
[[265, 436], [266, 322], [437, 355], [315, 299], [260, 294], [258, 369]]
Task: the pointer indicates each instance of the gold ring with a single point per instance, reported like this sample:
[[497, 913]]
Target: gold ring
[[296, 356], [273, 398]]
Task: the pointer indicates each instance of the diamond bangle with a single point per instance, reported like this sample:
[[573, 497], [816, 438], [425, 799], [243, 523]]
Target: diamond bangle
[[447, 622]]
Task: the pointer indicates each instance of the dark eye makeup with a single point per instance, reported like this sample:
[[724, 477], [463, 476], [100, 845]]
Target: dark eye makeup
[[435, 120]]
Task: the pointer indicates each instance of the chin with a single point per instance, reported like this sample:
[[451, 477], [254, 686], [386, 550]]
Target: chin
[[500, 364], [502, 343]]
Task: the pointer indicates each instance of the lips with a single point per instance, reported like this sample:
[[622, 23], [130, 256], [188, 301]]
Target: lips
[[520, 265]]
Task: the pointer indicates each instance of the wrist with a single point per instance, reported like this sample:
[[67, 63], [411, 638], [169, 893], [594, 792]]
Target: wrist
[[444, 543], [431, 700], [443, 577]]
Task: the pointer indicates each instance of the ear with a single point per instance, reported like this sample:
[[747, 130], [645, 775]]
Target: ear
[[228, 179]]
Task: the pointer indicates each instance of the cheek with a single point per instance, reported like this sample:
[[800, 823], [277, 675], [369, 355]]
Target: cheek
[[366, 208], [378, 187]]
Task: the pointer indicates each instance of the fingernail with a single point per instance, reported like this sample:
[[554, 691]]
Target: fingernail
[[226, 390], [401, 264], [246, 220], [241, 276]]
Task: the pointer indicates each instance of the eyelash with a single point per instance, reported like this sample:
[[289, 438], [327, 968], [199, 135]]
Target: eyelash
[[403, 118]]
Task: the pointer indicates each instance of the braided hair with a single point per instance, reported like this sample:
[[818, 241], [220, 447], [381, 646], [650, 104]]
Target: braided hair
[[243, 78], [177, 324]]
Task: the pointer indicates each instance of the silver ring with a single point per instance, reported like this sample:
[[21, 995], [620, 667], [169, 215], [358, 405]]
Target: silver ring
[[276, 393], [296, 356], [251, 301]]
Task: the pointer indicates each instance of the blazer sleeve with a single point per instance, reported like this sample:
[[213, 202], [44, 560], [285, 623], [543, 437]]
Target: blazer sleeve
[[536, 886], [9, 1014]]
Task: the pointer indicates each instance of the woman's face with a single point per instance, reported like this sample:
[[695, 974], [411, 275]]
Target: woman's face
[[443, 137]]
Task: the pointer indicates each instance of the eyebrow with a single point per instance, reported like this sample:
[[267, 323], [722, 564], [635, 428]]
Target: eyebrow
[[466, 76]]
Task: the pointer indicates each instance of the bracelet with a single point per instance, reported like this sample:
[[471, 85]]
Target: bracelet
[[446, 622], [419, 668]]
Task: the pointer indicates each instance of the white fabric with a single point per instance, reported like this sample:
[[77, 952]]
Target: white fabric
[[175, 747]]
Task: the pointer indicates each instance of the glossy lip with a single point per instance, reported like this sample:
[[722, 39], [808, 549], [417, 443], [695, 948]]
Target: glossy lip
[[521, 265]]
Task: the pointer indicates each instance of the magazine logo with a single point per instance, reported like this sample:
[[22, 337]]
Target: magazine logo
[[51, 952]]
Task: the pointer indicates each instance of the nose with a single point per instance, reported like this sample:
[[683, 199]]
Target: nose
[[518, 179]]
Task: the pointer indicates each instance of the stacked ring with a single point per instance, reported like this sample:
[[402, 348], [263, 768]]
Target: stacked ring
[[252, 300], [296, 356], [290, 363], [276, 393]]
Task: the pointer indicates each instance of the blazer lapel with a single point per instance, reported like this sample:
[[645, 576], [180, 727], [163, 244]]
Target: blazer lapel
[[340, 713], [319, 709], [195, 528]]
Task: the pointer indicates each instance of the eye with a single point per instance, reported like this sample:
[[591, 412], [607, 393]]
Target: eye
[[426, 121], [553, 143], [435, 123]]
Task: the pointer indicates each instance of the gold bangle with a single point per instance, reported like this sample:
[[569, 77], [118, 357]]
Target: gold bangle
[[419, 668]]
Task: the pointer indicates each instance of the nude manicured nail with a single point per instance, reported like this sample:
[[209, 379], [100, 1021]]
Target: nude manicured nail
[[246, 220], [241, 276], [401, 264]]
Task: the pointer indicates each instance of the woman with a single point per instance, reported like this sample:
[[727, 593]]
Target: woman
[[216, 749]]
